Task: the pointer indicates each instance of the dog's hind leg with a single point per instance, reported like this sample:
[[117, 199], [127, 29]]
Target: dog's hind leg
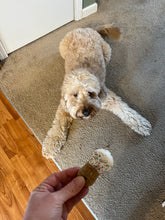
[[129, 116], [57, 135]]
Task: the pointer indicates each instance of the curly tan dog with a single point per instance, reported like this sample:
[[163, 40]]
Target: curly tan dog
[[86, 55]]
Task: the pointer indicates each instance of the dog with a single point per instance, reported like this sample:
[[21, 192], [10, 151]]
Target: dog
[[84, 93]]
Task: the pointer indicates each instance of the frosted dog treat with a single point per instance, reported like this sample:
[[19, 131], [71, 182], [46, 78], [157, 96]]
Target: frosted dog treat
[[100, 162]]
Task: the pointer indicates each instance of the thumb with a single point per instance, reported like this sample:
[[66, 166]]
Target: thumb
[[71, 189]]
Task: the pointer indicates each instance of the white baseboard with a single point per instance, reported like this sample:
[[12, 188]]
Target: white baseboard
[[83, 12], [89, 10], [90, 209]]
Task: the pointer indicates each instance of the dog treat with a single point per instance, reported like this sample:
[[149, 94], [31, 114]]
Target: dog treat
[[100, 161]]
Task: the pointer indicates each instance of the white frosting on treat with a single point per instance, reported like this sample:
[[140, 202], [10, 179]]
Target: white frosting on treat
[[102, 160]]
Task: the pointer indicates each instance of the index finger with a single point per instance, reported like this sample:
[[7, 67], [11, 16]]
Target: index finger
[[63, 177]]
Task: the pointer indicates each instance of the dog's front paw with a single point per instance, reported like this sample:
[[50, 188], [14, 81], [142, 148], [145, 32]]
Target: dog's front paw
[[52, 146], [141, 125]]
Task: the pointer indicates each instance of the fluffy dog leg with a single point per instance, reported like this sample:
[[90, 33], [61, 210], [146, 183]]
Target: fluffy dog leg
[[129, 116], [57, 135]]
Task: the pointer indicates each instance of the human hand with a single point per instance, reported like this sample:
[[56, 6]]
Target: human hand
[[55, 196]]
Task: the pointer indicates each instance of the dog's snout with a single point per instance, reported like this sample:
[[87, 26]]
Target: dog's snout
[[86, 112]]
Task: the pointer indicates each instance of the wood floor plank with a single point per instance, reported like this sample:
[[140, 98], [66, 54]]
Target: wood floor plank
[[26, 171], [9, 206], [8, 106], [25, 146], [4, 114], [22, 167], [18, 187], [7, 143], [6, 166], [39, 165], [29, 134]]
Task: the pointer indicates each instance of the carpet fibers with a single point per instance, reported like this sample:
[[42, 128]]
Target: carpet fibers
[[31, 79]]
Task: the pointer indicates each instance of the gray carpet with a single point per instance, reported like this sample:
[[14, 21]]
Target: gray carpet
[[32, 76]]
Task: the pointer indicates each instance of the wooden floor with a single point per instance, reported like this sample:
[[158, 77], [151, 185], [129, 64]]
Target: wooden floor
[[22, 166]]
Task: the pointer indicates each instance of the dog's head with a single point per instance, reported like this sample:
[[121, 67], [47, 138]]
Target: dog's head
[[80, 94]]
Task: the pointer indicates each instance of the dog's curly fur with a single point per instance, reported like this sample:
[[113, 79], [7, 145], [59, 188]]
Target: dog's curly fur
[[86, 56]]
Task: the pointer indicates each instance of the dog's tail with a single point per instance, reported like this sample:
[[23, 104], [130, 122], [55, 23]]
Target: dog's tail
[[108, 30]]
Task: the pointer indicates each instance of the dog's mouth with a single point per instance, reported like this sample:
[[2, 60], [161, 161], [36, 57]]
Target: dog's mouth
[[86, 113]]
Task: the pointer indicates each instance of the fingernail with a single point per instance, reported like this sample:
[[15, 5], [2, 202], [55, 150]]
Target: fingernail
[[79, 181]]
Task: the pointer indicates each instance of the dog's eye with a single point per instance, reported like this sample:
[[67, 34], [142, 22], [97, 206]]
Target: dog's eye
[[75, 95], [92, 94]]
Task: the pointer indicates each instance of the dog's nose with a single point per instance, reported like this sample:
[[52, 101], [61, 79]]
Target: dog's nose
[[86, 112]]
